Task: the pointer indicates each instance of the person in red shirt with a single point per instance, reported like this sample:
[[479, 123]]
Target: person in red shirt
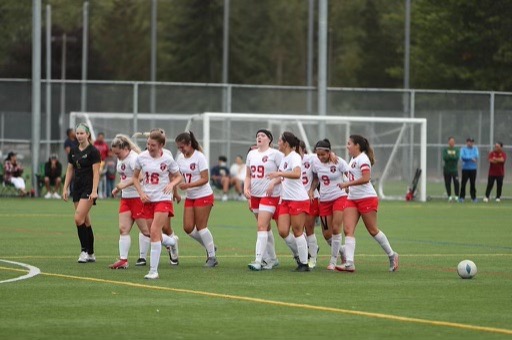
[[497, 160]]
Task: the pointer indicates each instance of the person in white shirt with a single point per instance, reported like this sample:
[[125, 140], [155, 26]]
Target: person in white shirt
[[263, 196], [199, 202], [237, 173], [131, 208], [294, 198], [160, 175], [362, 202], [329, 171]]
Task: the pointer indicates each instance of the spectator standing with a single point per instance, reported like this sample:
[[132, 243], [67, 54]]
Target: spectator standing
[[52, 177], [451, 155], [469, 156], [497, 159], [220, 177], [110, 172]]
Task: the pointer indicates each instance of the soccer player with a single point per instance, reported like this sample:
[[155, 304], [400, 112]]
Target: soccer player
[[263, 196], [362, 202], [294, 198], [330, 175], [314, 210], [131, 208], [84, 169], [160, 175], [199, 202]]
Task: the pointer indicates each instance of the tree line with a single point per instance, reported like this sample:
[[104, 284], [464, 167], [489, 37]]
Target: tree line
[[455, 44]]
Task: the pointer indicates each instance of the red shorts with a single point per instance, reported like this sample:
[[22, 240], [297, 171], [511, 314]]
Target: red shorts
[[327, 208], [133, 205], [199, 202], [268, 204], [364, 205], [314, 208], [153, 207], [293, 207]]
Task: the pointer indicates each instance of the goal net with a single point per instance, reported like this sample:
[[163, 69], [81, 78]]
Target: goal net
[[400, 144]]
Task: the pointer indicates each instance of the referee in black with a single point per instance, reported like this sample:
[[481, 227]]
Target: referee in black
[[84, 169]]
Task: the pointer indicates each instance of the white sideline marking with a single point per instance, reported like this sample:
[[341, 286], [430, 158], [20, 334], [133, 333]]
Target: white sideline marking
[[32, 271]]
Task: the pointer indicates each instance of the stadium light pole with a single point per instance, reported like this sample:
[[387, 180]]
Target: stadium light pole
[[85, 40], [322, 64], [36, 88]]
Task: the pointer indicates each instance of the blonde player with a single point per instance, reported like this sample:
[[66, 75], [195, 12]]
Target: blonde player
[[362, 202], [294, 198], [332, 199], [199, 202], [131, 208], [160, 174], [314, 210], [263, 196]]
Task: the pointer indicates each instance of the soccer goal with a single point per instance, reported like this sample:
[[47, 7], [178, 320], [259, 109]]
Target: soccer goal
[[400, 144]]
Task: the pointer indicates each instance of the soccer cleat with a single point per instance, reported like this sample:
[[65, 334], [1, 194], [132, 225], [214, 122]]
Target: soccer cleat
[[214, 248], [347, 267], [56, 196], [269, 264], [83, 257], [461, 200], [140, 262], [255, 266], [91, 258], [312, 262], [486, 199], [211, 262], [450, 199], [498, 200], [152, 276], [331, 267], [48, 195], [393, 262], [224, 198], [475, 200], [173, 253], [296, 258], [302, 267], [119, 264]]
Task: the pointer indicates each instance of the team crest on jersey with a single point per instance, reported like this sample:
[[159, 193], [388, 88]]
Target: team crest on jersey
[[264, 159], [123, 167], [193, 166], [163, 166], [353, 165], [307, 165], [333, 169], [285, 165]]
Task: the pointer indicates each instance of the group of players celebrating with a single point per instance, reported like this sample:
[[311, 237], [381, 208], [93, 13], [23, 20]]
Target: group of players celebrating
[[285, 184]]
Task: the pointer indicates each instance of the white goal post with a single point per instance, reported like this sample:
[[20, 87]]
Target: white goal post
[[400, 144]]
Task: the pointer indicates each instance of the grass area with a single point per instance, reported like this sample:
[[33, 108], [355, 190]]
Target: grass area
[[425, 299]]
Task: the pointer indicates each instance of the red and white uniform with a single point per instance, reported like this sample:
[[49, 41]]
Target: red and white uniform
[[307, 172], [292, 189], [260, 164], [125, 169], [357, 166], [155, 173], [191, 169], [330, 175]]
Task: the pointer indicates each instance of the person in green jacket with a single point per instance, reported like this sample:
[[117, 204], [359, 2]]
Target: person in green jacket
[[450, 171]]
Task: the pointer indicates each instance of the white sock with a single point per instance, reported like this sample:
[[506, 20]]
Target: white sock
[[261, 245], [270, 253], [125, 242], [207, 238], [384, 243], [335, 248], [195, 235], [329, 241], [302, 248], [312, 245], [156, 249], [167, 240], [290, 242], [144, 242], [350, 249]]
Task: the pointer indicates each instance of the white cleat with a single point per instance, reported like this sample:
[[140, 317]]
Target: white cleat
[[393, 262], [152, 276], [270, 264], [83, 257], [255, 266]]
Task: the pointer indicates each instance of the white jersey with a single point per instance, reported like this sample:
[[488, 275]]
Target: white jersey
[[155, 172], [357, 166], [125, 169], [307, 172], [293, 189], [259, 165], [330, 175], [191, 170], [238, 171]]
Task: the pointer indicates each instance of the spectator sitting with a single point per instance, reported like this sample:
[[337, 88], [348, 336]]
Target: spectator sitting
[[12, 173], [52, 177], [219, 175], [237, 174]]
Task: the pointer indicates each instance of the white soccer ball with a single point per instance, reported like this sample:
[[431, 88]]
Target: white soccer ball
[[466, 269]]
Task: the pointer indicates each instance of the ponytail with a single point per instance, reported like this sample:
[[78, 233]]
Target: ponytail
[[189, 138], [364, 146], [292, 140], [124, 142]]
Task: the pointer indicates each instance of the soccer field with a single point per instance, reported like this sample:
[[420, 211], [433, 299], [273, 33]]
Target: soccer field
[[424, 299]]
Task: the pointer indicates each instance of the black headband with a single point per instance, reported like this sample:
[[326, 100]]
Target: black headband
[[268, 133]]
